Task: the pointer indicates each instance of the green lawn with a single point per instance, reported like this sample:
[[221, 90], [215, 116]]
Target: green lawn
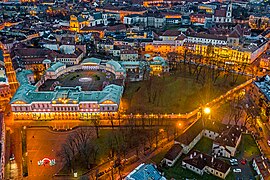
[[204, 145], [172, 94], [248, 148], [157, 158]]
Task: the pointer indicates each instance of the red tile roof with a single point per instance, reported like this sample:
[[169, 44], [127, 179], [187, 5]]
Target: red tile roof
[[200, 160], [220, 13], [181, 37], [173, 152], [171, 33]]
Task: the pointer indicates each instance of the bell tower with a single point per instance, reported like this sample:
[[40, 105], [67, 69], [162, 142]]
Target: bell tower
[[229, 10]]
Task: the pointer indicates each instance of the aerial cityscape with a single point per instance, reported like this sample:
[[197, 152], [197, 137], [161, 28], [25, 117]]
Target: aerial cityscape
[[135, 89]]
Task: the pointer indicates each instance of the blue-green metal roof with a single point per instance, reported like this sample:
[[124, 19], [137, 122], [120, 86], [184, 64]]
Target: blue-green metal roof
[[22, 93], [117, 66], [158, 58], [145, 172], [46, 61], [27, 94], [22, 76], [97, 15], [91, 60], [55, 66], [159, 61], [130, 63]]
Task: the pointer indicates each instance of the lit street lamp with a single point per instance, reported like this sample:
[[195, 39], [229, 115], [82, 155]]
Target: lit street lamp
[[207, 110]]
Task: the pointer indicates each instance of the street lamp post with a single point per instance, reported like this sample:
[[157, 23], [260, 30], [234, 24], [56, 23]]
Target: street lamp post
[[206, 112]]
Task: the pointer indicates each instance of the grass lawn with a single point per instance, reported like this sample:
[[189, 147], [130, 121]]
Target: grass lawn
[[248, 147], [172, 94], [157, 158], [204, 145]]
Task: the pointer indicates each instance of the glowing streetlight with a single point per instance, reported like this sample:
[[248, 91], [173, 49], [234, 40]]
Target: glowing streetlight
[[179, 124], [207, 110]]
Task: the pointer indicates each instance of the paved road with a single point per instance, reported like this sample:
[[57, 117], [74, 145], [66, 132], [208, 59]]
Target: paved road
[[14, 168]]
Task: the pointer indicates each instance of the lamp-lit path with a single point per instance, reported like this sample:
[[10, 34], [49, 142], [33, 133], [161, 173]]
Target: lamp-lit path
[[156, 120]]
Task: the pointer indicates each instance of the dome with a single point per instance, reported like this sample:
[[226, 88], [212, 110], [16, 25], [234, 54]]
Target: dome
[[158, 58], [46, 61], [147, 55]]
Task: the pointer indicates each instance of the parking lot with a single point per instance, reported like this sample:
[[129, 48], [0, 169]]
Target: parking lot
[[242, 169]]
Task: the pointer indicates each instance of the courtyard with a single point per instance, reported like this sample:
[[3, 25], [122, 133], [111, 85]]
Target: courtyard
[[88, 80]]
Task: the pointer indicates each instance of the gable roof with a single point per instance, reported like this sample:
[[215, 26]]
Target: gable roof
[[171, 33], [188, 136], [230, 136], [200, 160], [220, 13], [173, 152]]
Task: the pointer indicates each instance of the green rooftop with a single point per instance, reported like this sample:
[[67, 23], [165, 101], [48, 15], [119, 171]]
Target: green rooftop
[[56, 66], [22, 76], [116, 66], [91, 60], [27, 94]]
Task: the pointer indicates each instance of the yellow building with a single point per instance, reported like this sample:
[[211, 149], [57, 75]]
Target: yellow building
[[158, 65], [163, 49], [76, 23]]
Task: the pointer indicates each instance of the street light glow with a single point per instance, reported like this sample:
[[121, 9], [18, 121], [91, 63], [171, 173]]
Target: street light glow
[[207, 110]]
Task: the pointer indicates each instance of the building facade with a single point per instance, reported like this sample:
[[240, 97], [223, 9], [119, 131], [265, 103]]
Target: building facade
[[67, 103]]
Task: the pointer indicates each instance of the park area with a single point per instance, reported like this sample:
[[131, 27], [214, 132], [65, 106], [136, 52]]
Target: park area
[[174, 93], [88, 80], [248, 148]]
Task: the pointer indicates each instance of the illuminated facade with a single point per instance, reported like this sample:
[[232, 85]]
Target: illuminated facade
[[226, 48], [5, 93], [259, 22], [3, 146], [158, 65], [10, 73], [64, 103], [87, 20]]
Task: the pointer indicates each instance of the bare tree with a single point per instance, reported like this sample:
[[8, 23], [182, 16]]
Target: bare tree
[[66, 155], [96, 123]]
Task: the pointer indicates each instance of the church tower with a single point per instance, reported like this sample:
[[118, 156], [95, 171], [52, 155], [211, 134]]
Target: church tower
[[229, 12]]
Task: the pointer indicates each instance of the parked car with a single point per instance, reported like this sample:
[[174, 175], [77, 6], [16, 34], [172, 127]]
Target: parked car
[[244, 161], [237, 170], [233, 162], [12, 157], [268, 142]]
